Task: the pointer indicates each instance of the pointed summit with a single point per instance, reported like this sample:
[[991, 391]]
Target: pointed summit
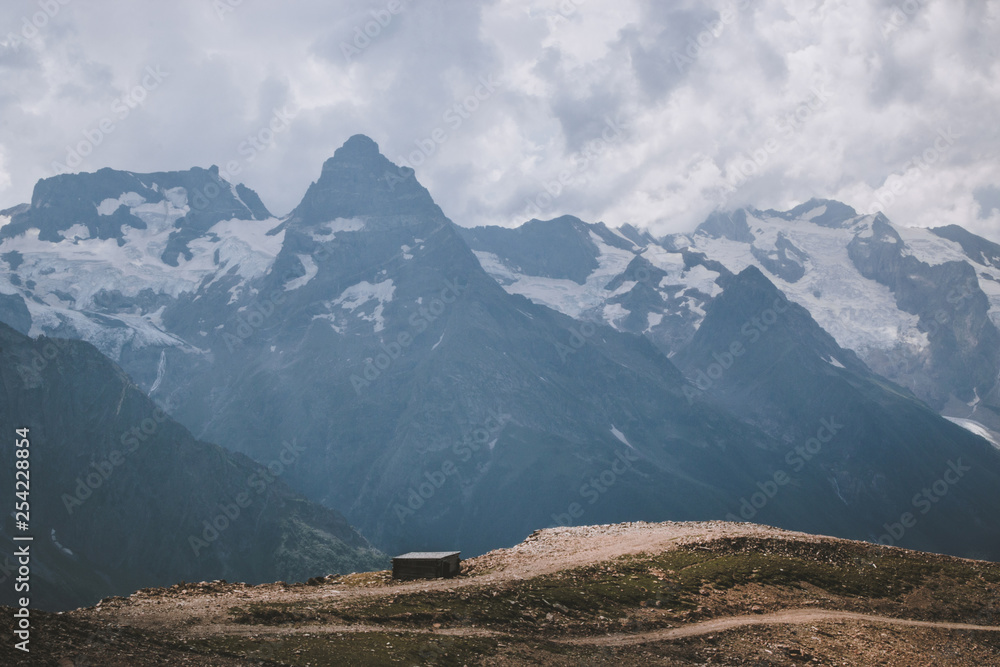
[[358, 181], [358, 147]]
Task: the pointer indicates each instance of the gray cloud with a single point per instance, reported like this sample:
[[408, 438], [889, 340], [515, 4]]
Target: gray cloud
[[700, 89]]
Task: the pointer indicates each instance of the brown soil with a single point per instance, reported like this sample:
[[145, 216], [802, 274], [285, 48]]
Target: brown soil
[[523, 606]]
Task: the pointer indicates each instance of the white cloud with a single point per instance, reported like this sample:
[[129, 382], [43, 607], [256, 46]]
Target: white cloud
[[4, 174], [700, 87]]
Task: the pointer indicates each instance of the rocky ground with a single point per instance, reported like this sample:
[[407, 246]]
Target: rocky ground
[[637, 593]]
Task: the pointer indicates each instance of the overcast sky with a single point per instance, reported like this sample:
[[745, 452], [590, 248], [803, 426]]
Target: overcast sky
[[653, 113]]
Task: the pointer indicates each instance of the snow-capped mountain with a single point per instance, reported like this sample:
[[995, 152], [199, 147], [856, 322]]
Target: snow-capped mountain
[[620, 277], [100, 256], [438, 408], [919, 306]]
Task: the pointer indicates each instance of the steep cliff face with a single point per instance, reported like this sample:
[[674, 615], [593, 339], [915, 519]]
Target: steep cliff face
[[963, 354]]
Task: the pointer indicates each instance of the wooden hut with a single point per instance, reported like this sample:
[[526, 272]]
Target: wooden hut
[[426, 565]]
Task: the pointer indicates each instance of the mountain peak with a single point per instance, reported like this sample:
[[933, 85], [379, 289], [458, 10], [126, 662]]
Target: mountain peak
[[752, 307], [824, 212], [358, 150], [754, 288], [109, 201], [724, 224], [360, 143], [755, 277], [358, 181]]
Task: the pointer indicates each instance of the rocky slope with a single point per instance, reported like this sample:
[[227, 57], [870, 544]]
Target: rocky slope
[[122, 496], [657, 594]]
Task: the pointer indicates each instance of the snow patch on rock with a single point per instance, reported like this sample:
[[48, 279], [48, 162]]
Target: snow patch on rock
[[328, 230], [355, 296], [129, 199], [977, 428], [310, 272]]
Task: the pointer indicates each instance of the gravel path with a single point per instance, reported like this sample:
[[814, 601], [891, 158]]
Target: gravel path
[[788, 617]]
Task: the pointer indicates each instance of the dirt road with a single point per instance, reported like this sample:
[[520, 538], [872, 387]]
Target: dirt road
[[788, 617]]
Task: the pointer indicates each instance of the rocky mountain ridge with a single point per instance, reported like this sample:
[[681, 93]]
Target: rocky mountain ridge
[[453, 396]]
